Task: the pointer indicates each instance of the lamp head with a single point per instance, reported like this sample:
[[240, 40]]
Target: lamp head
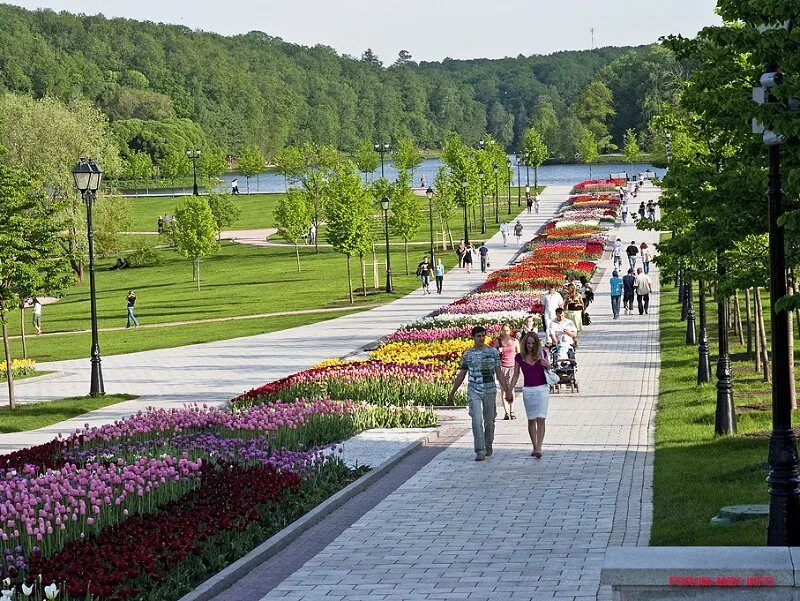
[[429, 193], [385, 203], [87, 175]]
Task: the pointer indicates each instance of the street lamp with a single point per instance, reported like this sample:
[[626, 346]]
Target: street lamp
[[194, 155], [691, 332], [464, 198], [519, 185], [429, 194], [703, 364], [382, 149], [482, 175], [496, 171], [510, 177], [725, 414], [88, 175], [385, 207]]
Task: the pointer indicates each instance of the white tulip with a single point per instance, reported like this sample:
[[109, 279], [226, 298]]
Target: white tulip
[[27, 590], [51, 591]]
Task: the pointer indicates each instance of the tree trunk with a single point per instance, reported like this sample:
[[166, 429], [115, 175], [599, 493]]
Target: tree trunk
[[763, 333], [22, 329], [363, 275], [405, 250], [197, 270], [9, 371], [792, 383], [297, 254], [748, 317], [756, 335], [536, 178], [349, 280], [375, 282], [247, 179], [738, 316]]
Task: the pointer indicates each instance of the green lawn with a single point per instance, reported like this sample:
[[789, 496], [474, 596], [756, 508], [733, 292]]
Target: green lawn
[[31, 416], [697, 473]]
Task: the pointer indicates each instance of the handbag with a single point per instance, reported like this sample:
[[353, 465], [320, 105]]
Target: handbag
[[552, 377]]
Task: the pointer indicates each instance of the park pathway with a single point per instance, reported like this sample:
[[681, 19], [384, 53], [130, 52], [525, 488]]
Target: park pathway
[[511, 527], [217, 371]]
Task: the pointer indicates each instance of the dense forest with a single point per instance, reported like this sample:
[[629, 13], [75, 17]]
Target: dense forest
[[155, 80]]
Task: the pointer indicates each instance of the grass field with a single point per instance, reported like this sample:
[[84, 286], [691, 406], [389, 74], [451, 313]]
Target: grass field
[[697, 473], [256, 211], [31, 416]]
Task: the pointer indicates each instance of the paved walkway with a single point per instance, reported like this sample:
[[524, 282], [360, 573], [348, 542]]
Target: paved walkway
[[511, 527], [217, 371]]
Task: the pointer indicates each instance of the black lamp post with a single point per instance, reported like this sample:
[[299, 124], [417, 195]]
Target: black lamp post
[[703, 364], [464, 198], [482, 176], [382, 149], [685, 302], [496, 171], [385, 207], [194, 156], [429, 194], [519, 185], [88, 175], [691, 332], [725, 415], [510, 177]]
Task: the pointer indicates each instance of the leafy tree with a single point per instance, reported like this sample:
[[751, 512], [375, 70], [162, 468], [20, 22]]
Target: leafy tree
[[30, 257], [587, 148], [500, 123], [223, 210], [139, 167], [111, 217], [293, 219], [196, 232], [370, 58], [632, 152], [594, 106], [534, 151], [403, 58], [349, 216], [405, 217], [366, 158], [176, 164], [251, 162], [212, 162], [406, 156]]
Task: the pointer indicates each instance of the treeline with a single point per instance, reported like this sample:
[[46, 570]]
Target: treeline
[[163, 86]]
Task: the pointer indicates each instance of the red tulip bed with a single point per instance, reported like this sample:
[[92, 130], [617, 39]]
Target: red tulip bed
[[600, 185]]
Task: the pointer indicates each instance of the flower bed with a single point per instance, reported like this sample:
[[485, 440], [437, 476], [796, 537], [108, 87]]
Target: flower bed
[[20, 368]]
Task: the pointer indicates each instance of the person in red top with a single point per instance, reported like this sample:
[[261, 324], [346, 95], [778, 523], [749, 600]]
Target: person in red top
[[508, 347], [531, 362]]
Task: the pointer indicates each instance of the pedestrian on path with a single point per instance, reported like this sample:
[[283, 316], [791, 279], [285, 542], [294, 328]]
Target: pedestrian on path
[[235, 186], [424, 274], [422, 181], [529, 201], [483, 251], [624, 209], [563, 333], [616, 253], [518, 231], [632, 251], [504, 233], [528, 326], [646, 255], [643, 289], [312, 234], [616, 293], [642, 210], [439, 274], [651, 210], [536, 201], [468, 252], [37, 315], [131, 305], [551, 301], [628, 289], [532, 360], [508, 347], [482, 364], [460, 251]]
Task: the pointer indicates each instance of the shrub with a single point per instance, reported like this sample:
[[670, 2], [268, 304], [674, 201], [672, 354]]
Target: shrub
[[144, 255]]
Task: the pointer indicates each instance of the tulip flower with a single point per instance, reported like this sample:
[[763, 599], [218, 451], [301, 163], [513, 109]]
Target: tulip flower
[[51, 591]]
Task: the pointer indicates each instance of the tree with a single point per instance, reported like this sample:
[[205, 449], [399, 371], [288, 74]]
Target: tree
[[139, 167], [632, 151], [111, 218], [349, 216], [405, 217], [406, 156], [176, 164], [370, 58], [223, 210], [366, 158], [403, 58], [251, 162], [30, 257], [293, 219], [594, 106], [196, 232], [587, 148], [534, 152], [212, 162]]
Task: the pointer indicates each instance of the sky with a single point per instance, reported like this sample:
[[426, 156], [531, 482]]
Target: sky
[[429, 29]]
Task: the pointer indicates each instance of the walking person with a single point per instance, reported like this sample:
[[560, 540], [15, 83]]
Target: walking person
[[536, 201], [616, 254], [37, 316], [468, 252], [131, 298], [439, 273], [312, 234], [628, 290], [160, 224], [632, 251], [616, 293], [646, 255], [531, 361], [483, 251], [518, 231], [504, 233], [424, 273], [642, 210], [643, 289], [508, 347], [460, 251], [651, 210], [235, 186], [624, 209], [422, 181], [551, 301], [528, 326], [529, 201], [482, 364]]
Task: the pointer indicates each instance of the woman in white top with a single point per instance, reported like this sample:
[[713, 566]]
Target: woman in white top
[[646, 256]]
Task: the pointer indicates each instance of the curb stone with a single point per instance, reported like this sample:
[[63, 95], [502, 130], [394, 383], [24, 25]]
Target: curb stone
[[228, 576]]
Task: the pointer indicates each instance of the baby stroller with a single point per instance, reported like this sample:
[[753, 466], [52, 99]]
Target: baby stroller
[[564, 367]]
